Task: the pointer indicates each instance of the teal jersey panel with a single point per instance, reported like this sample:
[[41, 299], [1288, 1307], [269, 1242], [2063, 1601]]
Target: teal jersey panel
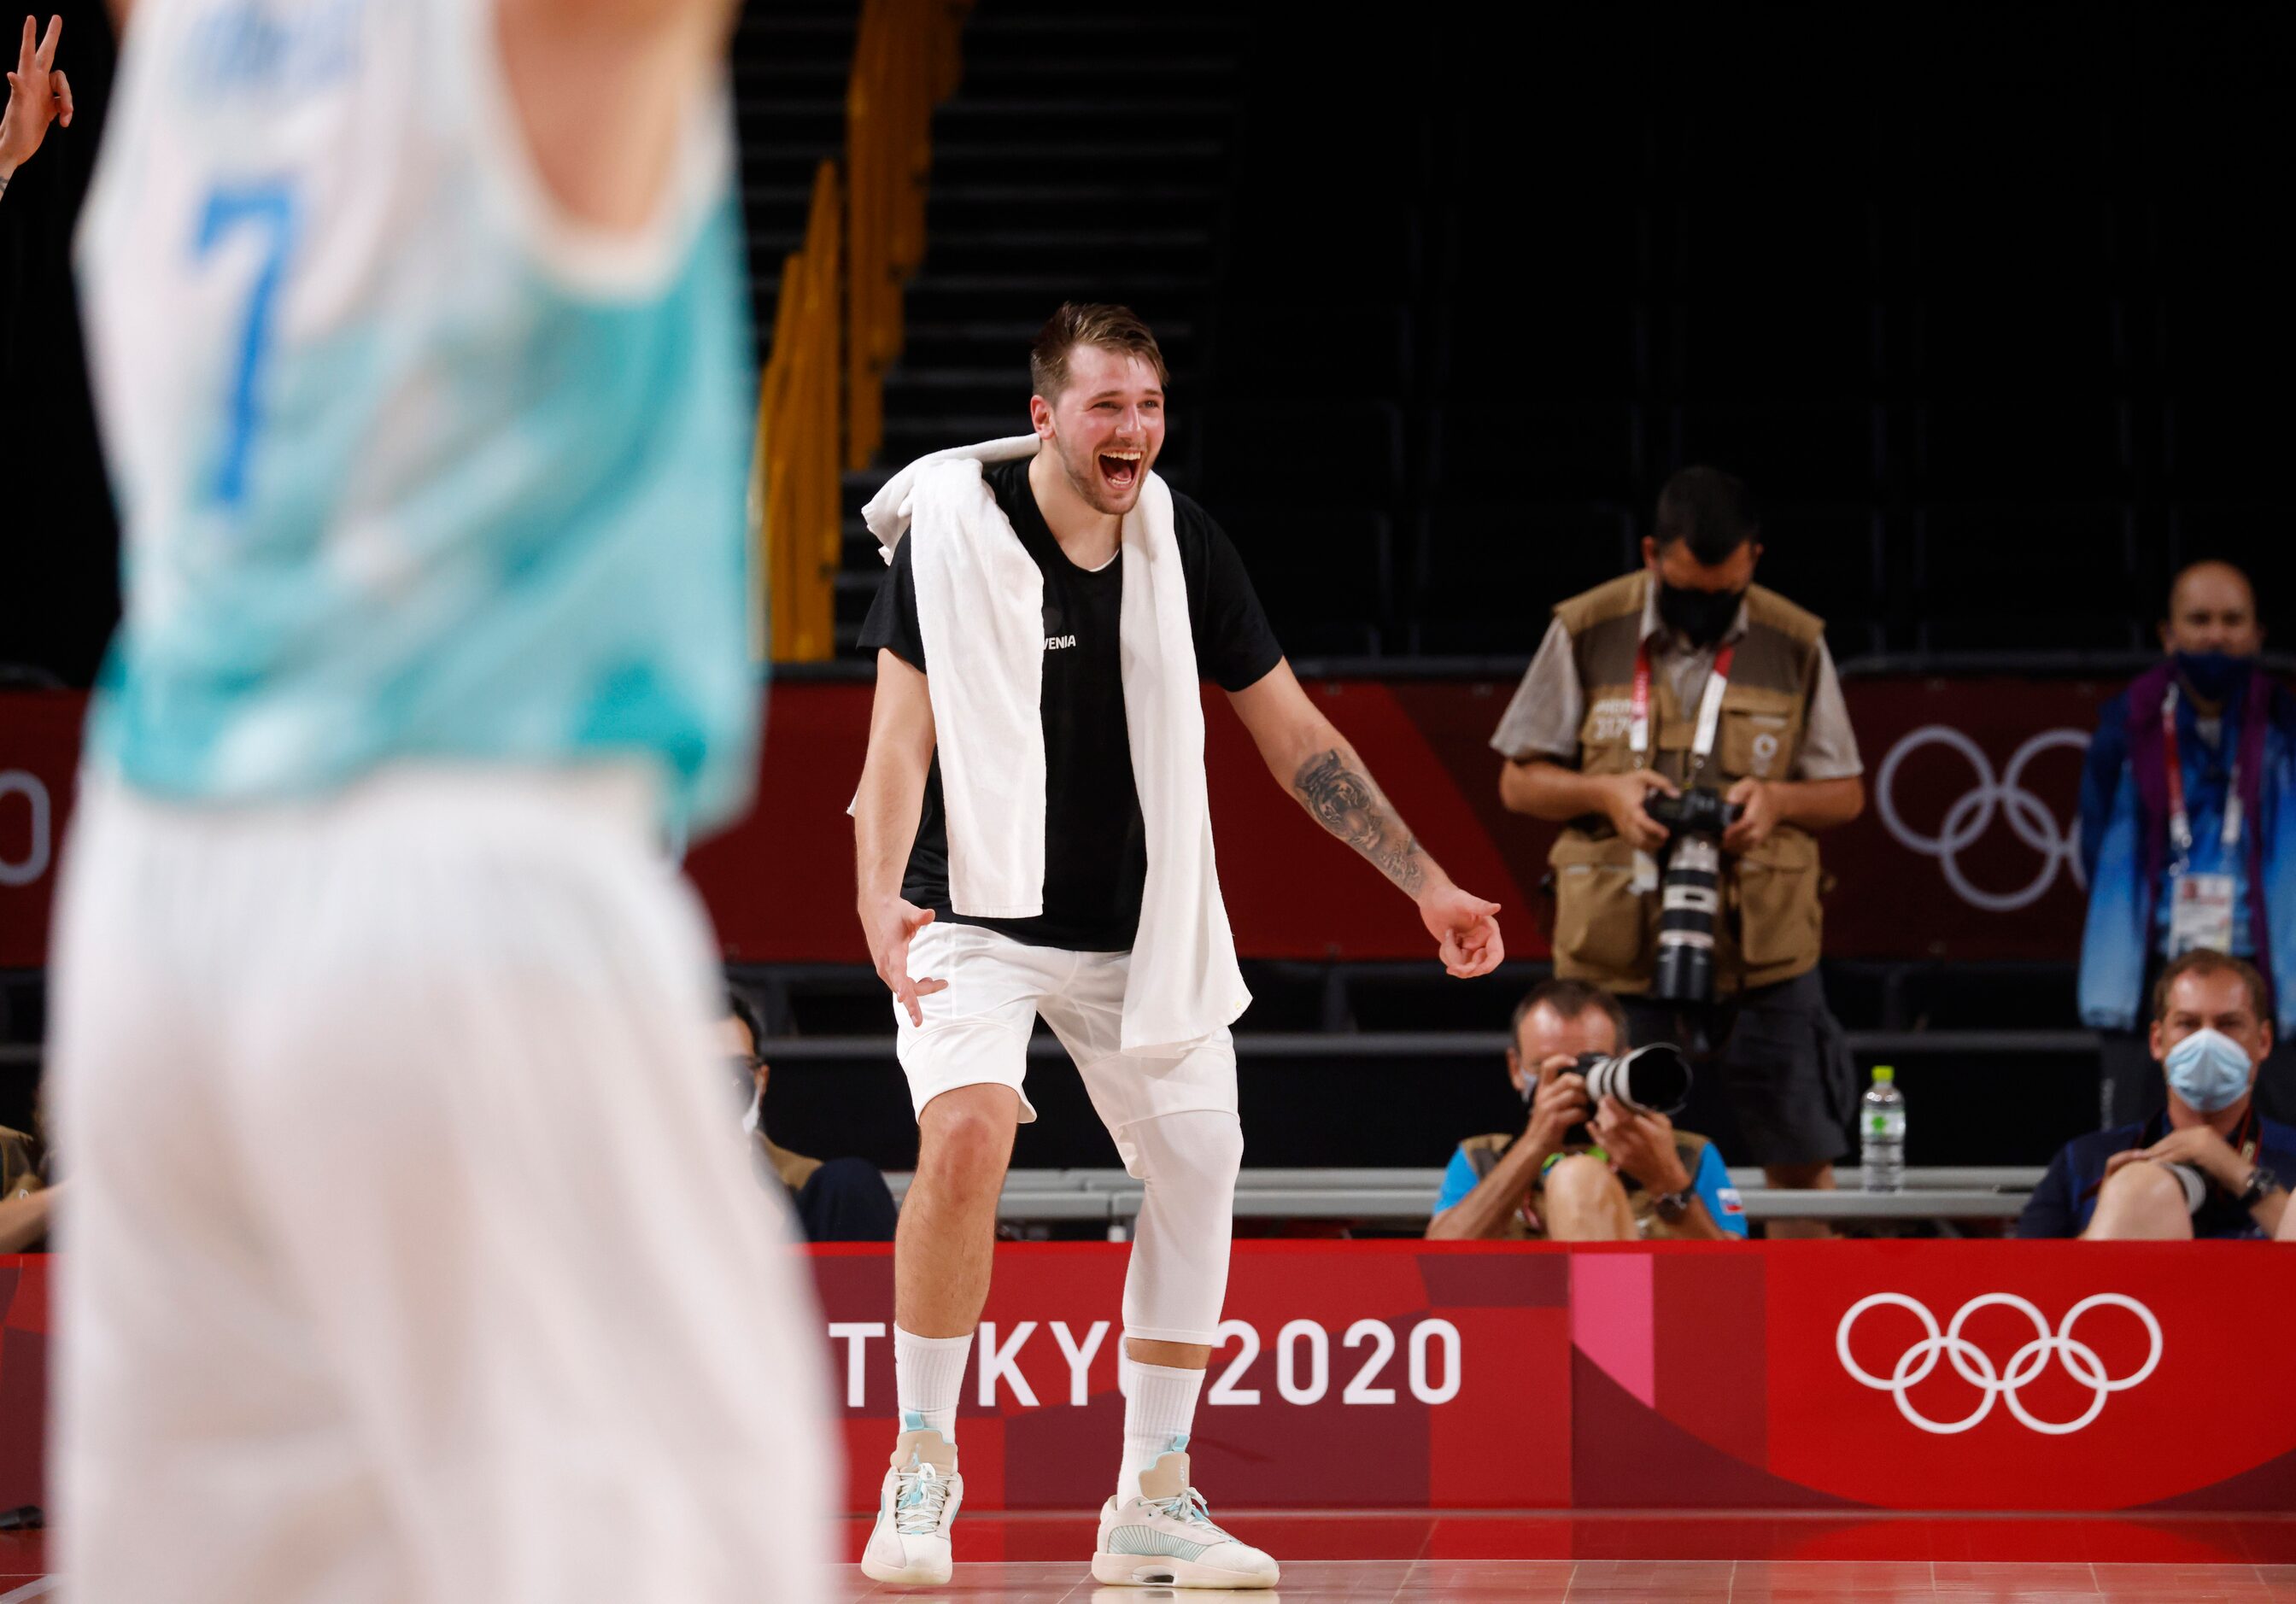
[[400, 484]]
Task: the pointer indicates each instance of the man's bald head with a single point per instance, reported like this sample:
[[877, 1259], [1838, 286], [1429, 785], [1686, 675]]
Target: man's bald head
[[2212, 608]]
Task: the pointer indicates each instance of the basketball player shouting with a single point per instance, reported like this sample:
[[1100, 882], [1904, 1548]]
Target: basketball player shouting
[[1083, 508], [407, 1256]]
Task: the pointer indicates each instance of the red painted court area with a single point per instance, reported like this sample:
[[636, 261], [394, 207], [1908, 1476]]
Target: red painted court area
[[1363, 1556], [1387, 1537], [1366, 1555]]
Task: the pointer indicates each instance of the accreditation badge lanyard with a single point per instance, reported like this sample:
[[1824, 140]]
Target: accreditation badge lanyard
[[2200, 908], [1709, 709], [1701, 741]]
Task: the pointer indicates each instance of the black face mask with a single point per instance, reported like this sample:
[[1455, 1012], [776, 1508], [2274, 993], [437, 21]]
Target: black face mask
[[1703, 616], [2216, 675]]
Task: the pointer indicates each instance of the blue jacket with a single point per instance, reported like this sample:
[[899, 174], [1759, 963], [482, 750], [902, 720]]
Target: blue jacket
[[2124, 831], [2062, 1204]]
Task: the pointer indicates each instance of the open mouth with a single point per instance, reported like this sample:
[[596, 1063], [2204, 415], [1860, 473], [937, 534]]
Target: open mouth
[[1122, 470]]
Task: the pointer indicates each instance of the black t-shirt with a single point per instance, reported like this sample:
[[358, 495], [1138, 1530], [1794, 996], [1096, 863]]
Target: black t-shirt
[[1096, 850]]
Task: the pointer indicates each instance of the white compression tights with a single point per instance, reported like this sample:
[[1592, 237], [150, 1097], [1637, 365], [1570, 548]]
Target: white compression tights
[[1177, 1278]]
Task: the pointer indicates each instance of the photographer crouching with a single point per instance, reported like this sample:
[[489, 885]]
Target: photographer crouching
[[1686, 728], [1599, 1160]]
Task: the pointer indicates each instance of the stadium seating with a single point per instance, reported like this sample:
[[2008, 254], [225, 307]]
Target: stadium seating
[[1323, 571], [1918, 323], [1488, 572], [2027, 574]]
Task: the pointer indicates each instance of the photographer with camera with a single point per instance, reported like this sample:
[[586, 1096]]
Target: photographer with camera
[[1687, 729], [1600, 1161]]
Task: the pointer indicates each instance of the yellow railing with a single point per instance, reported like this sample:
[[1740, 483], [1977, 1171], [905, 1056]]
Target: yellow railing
[[795, 494], [904, 62], [821, 401]]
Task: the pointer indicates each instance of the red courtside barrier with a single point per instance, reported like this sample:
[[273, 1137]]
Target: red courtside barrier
[[23, 1376], [2061, 1376], [2036, 1376], [1967, 850]]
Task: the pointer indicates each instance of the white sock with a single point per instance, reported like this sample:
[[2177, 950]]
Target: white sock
[[1159, 1409], [928, 1378]]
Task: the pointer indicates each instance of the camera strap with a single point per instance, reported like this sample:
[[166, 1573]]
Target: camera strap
[[1709, 709]]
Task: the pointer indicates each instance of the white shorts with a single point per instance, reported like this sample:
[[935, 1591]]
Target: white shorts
[[976, 1033], [411, 1250]]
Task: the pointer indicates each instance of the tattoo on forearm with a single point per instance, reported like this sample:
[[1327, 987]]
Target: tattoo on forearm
[[1346, 803]]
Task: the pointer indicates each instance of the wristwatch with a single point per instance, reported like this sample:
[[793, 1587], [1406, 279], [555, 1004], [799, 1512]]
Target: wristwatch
[[1671, 1207], [2261, 1184]]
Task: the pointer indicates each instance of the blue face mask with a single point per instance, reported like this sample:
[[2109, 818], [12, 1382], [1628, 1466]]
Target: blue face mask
[[2208, 1070], [2214, 675]]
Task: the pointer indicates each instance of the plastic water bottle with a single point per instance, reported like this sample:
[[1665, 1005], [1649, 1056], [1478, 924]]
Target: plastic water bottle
[[1881, 1127]]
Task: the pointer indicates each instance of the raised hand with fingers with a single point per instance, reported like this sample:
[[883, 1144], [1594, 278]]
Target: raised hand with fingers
[[38, 95], [891, 925]]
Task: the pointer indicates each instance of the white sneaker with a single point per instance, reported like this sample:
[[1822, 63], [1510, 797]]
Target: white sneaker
[[1165, 1537], [920, 1498]]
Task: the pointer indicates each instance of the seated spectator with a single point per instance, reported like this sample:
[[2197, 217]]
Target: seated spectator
[[2209, 1165], [836, 1200], [1623, 1175], [2188, 836]]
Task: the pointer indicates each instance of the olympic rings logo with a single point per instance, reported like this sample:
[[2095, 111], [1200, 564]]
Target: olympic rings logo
[[1976, 1367], [1972, 815]]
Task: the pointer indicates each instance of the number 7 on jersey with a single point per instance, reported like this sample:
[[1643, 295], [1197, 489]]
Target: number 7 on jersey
[[269, 209]]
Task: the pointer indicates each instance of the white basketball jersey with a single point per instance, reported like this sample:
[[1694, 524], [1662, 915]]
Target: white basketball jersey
[[408, 465]]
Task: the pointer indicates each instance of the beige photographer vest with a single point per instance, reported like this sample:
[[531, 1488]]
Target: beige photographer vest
[[1605, 931]]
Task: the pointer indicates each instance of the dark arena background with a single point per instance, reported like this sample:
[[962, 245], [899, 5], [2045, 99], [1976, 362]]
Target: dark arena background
[[1982, 302]]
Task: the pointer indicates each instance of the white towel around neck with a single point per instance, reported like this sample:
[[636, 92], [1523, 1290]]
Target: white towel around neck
[[980, 607]]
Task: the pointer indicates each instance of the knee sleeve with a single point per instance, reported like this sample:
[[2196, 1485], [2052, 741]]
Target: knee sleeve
[[1177, 1279]]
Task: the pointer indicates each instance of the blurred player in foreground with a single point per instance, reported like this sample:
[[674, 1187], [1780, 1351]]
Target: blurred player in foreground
[[409, 1255]]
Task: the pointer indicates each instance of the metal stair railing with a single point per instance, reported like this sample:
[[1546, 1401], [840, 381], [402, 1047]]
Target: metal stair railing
[[794, 488], [837, 322]]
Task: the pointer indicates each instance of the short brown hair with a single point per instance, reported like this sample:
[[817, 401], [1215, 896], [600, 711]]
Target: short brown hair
[[1087, 322], [1570, 999], [1711, 510], [2208, 960]]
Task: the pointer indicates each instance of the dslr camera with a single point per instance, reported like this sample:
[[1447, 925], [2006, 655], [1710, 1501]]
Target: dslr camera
[[1649, 1080], [1690, 891]]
